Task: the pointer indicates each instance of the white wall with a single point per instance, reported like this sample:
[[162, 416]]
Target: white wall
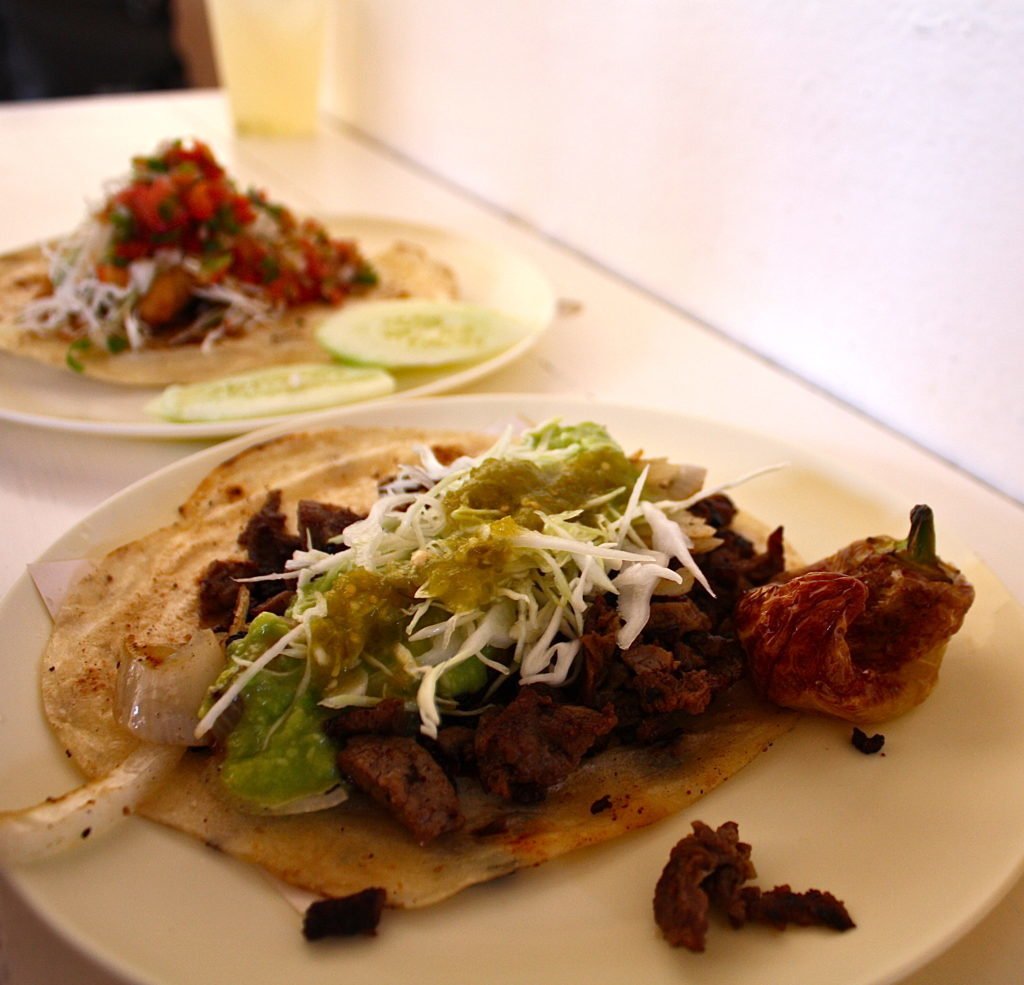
[[837, 185]]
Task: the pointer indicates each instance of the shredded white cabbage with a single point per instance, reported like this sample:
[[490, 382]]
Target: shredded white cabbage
[[532, 627], [106, 311]]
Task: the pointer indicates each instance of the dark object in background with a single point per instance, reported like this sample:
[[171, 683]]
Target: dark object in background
[[54, 48]]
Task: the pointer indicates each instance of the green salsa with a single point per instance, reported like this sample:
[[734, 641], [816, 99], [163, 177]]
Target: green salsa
[[521, 489], [361, 630]]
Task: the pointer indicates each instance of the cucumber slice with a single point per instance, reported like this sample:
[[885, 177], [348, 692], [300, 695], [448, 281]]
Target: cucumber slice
[[414, 334], [267, 392]]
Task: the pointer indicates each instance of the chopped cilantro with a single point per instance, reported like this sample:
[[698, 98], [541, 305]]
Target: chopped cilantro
[[79, 345]]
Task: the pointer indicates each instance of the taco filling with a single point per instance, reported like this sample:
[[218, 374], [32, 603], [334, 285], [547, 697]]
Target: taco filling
[[500, 616]]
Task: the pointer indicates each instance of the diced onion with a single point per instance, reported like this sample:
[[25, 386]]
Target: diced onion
[[91, 809]]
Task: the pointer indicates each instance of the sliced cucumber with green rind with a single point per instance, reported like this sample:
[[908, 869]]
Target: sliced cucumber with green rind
[[417, 334], [269, 392]]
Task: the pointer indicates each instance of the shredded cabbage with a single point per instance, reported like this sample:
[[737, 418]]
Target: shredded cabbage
[[618, 542]]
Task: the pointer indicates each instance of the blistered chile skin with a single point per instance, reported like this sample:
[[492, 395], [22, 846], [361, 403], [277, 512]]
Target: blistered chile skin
[[859, 635]]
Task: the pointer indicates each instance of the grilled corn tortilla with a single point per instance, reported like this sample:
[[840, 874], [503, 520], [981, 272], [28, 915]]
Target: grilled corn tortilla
[[148, 589], [404, 270]]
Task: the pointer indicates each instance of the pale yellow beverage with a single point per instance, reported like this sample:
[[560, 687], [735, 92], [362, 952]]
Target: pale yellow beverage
[[270, 55]]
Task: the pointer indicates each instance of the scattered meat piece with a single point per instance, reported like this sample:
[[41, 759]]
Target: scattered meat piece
[[534, 742], [681, 903], [780, 907], [319, 522], [388, 717], [218, 591], [398, 773], [867, 744], [264, 538], [708, 868], [345, 916]]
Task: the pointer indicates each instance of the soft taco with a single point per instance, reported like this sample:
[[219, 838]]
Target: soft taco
[[178, 277], [465, 656]]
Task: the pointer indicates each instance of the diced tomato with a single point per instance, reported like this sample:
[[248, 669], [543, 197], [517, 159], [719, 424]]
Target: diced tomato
[[182, 197], [202, 199]]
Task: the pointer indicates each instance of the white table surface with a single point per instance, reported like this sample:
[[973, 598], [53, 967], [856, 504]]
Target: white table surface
[[616, 344]]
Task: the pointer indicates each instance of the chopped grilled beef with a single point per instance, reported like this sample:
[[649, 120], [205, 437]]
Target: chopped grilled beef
[[734, 567], [716, 510], [534, 743], [597, 649], [265, 539], [320, 522], [455, 749], [398, 773], [345, 916], [389, 717], [708, 868], [666, 690], [277, 603], [780, 907], [218, 591], [646, 658], [268, 545], [670, 621], [681, 898]]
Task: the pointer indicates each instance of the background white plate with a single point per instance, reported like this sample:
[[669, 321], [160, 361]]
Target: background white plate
[[919, 842], [487, 274]]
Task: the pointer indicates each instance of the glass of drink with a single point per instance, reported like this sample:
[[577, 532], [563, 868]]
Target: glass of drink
[[269, 56]]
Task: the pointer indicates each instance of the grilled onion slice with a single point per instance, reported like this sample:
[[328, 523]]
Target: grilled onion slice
[[57, 823]]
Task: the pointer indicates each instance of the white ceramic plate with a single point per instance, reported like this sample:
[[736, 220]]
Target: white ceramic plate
[[919, 842], [487, 274]]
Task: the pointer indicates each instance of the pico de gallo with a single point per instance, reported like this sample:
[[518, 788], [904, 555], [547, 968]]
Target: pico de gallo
[[177, 254]]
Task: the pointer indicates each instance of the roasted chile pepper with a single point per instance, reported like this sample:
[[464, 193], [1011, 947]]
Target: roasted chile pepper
[[860, 634]]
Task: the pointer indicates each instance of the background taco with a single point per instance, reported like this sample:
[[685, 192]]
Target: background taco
[[179, 276]]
